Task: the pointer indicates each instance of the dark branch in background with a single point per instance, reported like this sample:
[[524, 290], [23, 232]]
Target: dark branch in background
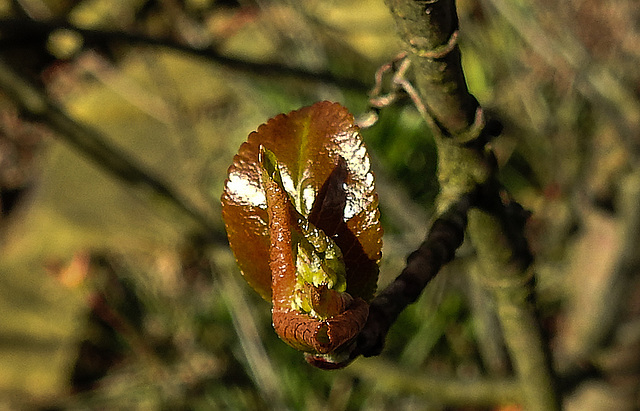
[[23, 31], [34, 103], [483, 393]]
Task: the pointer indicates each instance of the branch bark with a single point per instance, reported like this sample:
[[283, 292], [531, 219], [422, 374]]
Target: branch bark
[[509, 276], [429, 29], [444, 238]]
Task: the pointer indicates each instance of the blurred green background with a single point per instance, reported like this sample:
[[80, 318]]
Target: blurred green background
[[112, 299]]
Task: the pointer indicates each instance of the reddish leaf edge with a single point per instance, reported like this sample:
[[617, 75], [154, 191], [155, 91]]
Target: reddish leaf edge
[[331, 356]]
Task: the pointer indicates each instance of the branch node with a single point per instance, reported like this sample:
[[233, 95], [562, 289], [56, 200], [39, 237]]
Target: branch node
[[474, 132], [419, 47]]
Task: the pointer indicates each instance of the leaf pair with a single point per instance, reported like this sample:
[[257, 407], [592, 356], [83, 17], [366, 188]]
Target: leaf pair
[[302, 219]]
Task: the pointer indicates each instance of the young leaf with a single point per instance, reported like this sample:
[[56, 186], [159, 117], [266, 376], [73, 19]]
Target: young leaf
[[302, 219]]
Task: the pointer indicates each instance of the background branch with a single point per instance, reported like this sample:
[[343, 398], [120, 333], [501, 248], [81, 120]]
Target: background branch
[[480, 392], [35, 104], [22, 31]]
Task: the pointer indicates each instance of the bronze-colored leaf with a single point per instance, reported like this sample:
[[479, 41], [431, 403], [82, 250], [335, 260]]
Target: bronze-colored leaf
[[302, 219], [308, 144]]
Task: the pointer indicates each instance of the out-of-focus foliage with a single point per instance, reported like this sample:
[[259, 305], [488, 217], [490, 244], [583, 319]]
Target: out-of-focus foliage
[[110, 299]]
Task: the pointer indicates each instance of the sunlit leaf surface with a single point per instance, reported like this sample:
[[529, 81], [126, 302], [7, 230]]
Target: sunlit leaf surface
[[302, 218], [308, 143]]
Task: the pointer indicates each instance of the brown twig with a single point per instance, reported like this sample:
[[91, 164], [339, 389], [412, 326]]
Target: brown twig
[[444, 238]]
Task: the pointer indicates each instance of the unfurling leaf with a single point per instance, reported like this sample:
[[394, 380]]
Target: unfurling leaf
[[302, 218]]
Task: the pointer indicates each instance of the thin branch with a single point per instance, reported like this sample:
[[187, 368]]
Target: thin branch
[[24, 31], [444, 238], [390, 378], [508, 275], [34, 103], [430, 31]]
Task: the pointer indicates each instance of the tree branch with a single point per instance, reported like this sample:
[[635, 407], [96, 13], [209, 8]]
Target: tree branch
[[429, 28], [34, 103], [504, 259], [25, 31], [444, 238]]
